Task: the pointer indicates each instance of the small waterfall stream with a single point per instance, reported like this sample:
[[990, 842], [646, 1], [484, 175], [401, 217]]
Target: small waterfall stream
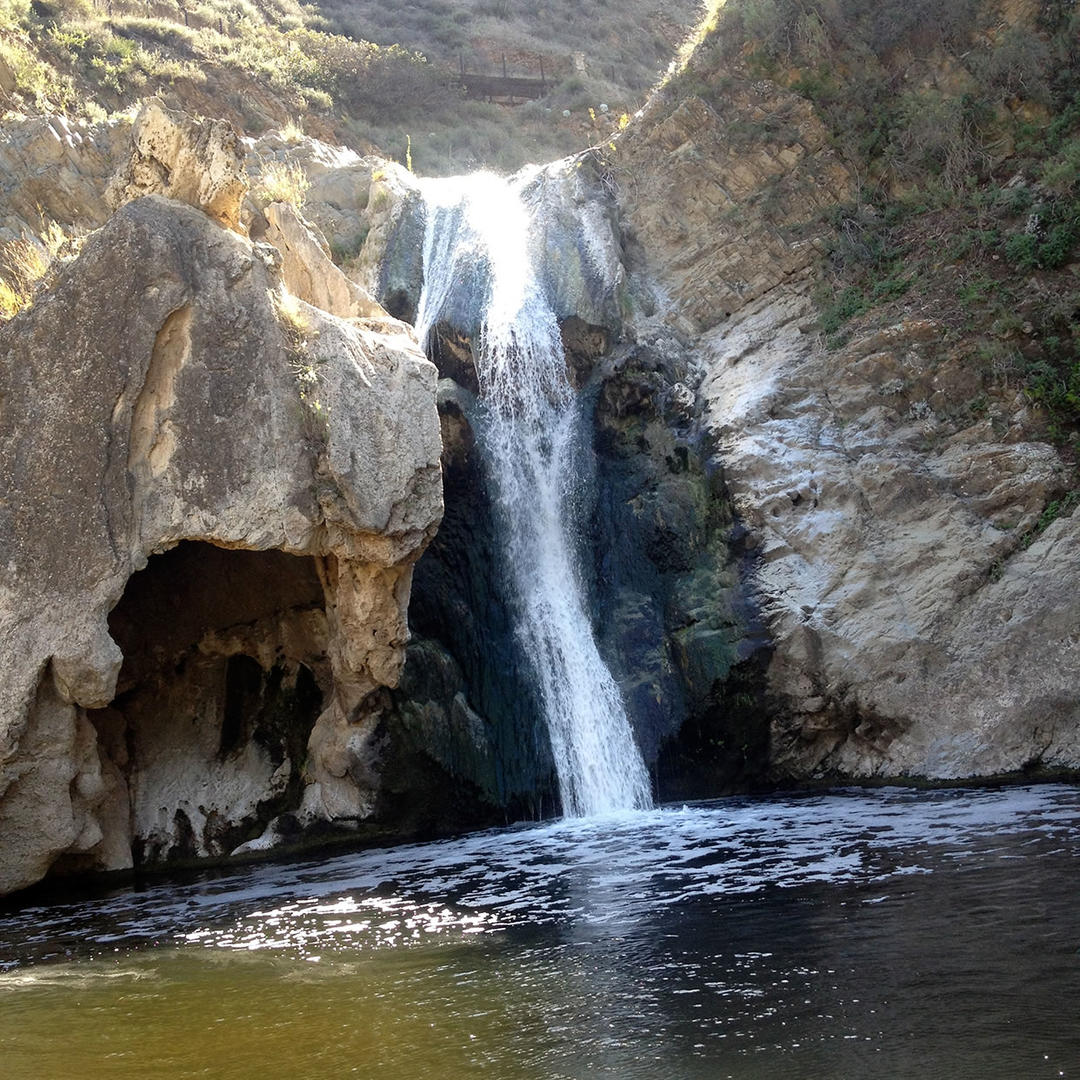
[[530, 433]]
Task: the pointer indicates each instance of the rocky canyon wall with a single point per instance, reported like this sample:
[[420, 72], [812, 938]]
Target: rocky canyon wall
[[661, 555], [921, 625], [222, 461]]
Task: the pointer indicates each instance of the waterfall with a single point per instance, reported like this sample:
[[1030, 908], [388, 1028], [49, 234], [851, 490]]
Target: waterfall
[[532, 441]]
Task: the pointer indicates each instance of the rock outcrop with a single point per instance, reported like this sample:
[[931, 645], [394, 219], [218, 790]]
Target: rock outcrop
[[918, 615], [200, 162], [724, 196], [57, 169], [307, 269], [162, 700], [221, 461], [674, 614], [668, 602], [262, 480], [357, 205], [918, 621]]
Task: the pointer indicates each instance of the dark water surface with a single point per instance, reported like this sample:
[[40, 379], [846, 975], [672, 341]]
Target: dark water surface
[[850, 934]]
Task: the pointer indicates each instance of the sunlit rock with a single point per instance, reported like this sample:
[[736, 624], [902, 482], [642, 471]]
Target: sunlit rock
[[195, 405]]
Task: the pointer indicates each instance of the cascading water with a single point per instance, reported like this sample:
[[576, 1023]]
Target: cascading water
[[530, 432]]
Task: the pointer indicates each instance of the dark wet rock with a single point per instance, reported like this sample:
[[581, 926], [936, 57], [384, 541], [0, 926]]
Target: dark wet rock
[[401, 272], [584, 344], [466, 682], [677, 619]]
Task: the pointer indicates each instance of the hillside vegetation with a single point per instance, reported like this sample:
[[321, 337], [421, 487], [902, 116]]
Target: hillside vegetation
[[626, 45], [961, 122], [360, 73]]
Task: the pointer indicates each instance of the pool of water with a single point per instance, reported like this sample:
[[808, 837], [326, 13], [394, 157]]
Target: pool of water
[[851, 934]]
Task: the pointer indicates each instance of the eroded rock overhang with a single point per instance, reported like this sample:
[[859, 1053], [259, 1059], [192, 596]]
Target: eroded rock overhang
[[159, 394]]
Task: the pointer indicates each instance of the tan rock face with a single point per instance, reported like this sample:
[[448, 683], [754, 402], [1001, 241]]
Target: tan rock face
[[308, 271], [173, 412], [916, 633], [57, 169], [200, 162], [725, 194], [920, 628], [8, 81]]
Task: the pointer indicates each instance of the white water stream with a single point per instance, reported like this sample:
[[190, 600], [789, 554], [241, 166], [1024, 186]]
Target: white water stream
[[532, 442]]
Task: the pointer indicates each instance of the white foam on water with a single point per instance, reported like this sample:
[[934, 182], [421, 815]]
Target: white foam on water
[[614, 871]]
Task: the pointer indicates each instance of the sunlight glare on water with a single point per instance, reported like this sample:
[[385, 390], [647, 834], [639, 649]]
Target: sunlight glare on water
[[886, 934]]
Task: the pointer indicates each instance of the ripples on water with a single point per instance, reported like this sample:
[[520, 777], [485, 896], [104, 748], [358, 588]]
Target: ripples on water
[[853, 934]]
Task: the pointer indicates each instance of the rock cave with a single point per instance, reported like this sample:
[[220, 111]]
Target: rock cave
[[223, 678]]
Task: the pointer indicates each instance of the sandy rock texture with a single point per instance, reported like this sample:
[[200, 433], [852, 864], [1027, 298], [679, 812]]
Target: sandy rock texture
[[200, 162], [210, 498], [352, 204], [307, 269], [922, 625], [724, 195], [921, 628], [216, 483], [56, 169]]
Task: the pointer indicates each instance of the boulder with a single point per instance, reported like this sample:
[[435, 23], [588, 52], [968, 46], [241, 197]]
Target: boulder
[[200, 162], [307, 269], [211, 499]]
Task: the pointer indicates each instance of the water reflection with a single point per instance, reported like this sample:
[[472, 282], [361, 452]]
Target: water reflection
[[885, 934]]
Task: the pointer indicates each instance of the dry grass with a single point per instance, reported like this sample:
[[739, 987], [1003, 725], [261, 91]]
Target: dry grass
[[12, 300], [292, 314], [348, 69], [283, 181], [636, 38], [292, 132], [710, 19], [23, 266]]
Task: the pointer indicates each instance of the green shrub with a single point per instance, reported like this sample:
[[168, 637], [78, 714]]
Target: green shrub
[[1056, 250], [47, 12], [1062, 171], [836, 311], [862, 238], [1022, 250], [1056, 508], [499, 9], [1055, 383], [1016, 65], [937, 136]]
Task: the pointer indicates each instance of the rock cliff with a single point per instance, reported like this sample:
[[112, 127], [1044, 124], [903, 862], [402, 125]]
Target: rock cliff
[[672, 612], [919, 607], [213, 496], [221, 460]]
